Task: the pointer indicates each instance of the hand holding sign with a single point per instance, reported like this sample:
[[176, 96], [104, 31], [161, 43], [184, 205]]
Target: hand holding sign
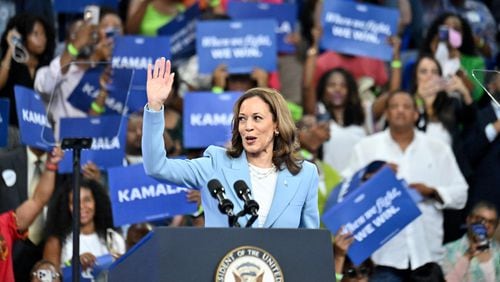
[[343, 240], [159, 83], [426, 191]]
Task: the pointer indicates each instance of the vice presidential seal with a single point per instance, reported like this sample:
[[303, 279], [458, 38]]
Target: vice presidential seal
[[248, 264]]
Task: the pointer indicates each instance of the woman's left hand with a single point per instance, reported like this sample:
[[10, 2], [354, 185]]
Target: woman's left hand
[[87, 260]]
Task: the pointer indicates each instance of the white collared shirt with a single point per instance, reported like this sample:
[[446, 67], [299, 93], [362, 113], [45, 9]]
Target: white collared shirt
[[55, 89], [428, 161], [31, 159]]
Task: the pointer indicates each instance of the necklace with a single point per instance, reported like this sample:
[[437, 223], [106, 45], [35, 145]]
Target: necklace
[[261, 173]]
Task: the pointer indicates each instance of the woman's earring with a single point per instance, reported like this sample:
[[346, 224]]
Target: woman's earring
[[276, 133]]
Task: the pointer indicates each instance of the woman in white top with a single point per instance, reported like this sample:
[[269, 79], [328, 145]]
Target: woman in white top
[[337, 92], [97, 238]]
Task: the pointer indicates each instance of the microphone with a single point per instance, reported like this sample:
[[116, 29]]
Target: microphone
[[243, 192], [217, 191]]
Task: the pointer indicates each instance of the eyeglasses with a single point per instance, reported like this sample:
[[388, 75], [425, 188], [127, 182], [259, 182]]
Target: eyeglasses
[[489, 221], [354, 272]]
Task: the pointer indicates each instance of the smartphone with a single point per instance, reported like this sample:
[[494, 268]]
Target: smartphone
[[91, 14], [481, 235], [45, 275], [323, 117], [110, 32], [443, 33]]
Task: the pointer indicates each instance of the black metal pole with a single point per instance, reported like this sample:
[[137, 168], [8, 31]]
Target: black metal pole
[[76, 144], [75, 260]]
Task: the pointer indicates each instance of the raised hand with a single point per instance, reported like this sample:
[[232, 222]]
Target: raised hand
[[159, 83]]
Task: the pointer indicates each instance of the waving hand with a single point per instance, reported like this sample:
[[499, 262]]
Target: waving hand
[[159, 83]]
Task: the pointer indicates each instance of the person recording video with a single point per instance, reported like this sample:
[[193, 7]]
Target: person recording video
[[475, 256], [263, 154], [89, 41]]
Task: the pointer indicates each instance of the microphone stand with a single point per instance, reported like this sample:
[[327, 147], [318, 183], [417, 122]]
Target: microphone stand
[[246, 211], [226, 207], [76, 144]]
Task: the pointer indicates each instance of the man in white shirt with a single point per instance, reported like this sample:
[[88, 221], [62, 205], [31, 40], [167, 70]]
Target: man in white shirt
[[429, 166]]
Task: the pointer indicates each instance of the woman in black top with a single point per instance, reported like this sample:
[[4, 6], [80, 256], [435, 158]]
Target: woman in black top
[[26, 45]]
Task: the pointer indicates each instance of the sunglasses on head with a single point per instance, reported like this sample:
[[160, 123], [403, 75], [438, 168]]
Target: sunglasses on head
[[353, 272]]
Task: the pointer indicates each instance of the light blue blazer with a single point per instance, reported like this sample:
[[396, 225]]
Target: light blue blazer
[[295, 202]]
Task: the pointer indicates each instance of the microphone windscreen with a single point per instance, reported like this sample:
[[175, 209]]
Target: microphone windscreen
[[241, 188], [214, 186]]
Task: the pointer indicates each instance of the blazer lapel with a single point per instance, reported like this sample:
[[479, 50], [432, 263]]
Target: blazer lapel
[[286, 187], [238, 170]]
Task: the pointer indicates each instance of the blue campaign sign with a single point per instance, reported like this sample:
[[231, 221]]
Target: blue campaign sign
[[89, 88], [350, 184], [33, 119], [358, 29], [284, 14], [135, 53], [78, 6], [4, 121], [91, 274], [136, 197], [207, 118], [108, 140], [182, 33], [241, 45], [374, 213]]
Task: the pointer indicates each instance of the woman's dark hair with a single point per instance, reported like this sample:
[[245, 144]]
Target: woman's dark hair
[[353, 111], [24, 23], [59, 216], [105, 10], [467, 46], [442, 105]]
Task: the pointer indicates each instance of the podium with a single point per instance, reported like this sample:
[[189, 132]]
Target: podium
[[205, 254]]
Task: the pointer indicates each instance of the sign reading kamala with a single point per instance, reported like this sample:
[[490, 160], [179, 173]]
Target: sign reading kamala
[[135, 53], [241, 45], [4, 121], [89, 87], [108, 140], [374, 213], [284, 14], [207, 118], [33, 120], [182, 33], [78, 6], [358, 29], [136, 197]]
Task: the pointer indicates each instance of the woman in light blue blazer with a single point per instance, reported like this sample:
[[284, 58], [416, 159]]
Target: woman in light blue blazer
[[263, 153]]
